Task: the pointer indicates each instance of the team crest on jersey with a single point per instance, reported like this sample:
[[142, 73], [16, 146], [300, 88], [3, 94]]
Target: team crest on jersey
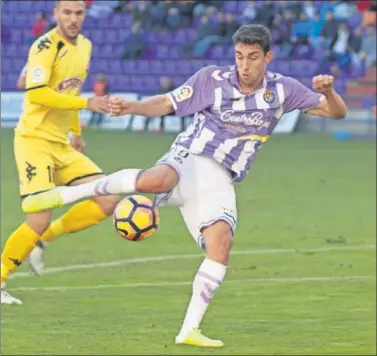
[[183, 93], [269, 96], [70, 83]]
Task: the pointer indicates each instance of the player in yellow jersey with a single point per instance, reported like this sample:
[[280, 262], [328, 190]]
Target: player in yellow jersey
[[57, 67]]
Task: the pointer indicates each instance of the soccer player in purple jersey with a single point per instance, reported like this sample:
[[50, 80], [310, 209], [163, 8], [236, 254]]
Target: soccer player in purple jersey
[[236, 110]]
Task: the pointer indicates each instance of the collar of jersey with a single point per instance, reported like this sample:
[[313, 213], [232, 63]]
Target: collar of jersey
[[268, 77]]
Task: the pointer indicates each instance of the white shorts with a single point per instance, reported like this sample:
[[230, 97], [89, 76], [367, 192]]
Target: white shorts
[[205, 192]]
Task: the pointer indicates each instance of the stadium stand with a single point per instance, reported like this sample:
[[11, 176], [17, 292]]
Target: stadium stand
[[174, 39]]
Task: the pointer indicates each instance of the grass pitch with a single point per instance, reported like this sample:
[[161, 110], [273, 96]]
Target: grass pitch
[[301, 279]]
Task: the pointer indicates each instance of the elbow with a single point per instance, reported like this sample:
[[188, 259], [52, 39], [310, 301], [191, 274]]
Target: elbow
[[21, 84], [340, 115], [34, 96]]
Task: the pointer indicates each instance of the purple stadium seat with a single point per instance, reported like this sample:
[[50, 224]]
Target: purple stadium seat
[[162, 57], [111, 36], [304, 68], [196, 64], [10, 50], [303, 52], [16, 35], [114, 66], [162, 52], [21, 20], [156, 66], [230, 6], [184, 67], [180, 37], [142, 66], [217, 52], [283, 67], [106, 51], [27, 6], [7, 65], [170, 67], [10, 6], [23, 51], [129, 66]]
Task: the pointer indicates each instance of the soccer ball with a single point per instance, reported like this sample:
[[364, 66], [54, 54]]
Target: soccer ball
[[136, 218]]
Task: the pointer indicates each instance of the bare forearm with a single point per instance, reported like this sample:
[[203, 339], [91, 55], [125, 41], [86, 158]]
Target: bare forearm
[[336, 106], [158, 105]]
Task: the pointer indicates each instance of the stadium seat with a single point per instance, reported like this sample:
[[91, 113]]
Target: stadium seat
[[162, 57]]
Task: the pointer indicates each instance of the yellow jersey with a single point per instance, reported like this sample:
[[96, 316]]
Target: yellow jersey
[[54, 63]]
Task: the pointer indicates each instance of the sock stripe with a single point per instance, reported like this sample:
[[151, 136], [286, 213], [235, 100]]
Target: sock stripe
[[209, 277], [101, 188], [205, 298], [105, 191]]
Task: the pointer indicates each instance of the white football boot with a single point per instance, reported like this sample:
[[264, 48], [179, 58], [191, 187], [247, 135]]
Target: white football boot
[[36, 264], [6, 298]]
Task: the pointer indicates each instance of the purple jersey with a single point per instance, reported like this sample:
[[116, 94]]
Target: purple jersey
[[230, 126]]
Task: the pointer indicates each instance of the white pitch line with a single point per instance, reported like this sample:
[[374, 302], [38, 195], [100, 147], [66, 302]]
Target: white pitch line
[[170, 284], [54, 270]]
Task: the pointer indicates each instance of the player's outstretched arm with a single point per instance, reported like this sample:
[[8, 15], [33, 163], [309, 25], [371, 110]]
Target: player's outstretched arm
[[333, 106], [50, 98], [158, 105]]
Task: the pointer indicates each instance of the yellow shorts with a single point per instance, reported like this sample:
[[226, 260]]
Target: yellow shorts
[[42, 164]]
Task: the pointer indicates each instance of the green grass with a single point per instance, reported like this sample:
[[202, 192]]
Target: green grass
[[304, 192]]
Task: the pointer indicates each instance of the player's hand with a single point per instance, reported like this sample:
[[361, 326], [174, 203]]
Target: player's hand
[[99, 104], [78, 143], [323, 83], [119, 106]]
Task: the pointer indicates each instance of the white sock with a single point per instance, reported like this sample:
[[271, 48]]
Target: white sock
[[123, 181], [207, 280]]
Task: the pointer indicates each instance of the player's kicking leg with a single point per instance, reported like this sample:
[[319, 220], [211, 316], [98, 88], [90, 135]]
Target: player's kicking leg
[[79, 217], [159, 179]]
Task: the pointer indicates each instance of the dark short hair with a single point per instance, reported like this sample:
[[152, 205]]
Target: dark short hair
[[253, 34]]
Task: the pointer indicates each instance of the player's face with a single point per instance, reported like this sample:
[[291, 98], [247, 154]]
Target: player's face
[[251, 63], [70, 16]]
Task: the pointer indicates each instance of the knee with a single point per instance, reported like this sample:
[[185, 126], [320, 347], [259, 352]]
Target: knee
[[218, 240], [107, 203], [161, 179], [39, 222]]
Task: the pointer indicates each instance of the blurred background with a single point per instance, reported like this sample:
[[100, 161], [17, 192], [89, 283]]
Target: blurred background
[[146, 47]]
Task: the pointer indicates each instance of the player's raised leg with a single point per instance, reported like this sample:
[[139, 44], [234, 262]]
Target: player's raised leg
[[159, 179], [18, 247], [80, 217]]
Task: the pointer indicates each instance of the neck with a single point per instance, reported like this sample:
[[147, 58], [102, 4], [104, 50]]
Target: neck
[[249, 88], [71, 41]]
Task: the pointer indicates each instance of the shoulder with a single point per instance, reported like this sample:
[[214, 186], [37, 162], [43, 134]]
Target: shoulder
[[85, 41], [48, 43], [43, 43], [289, 84], [214, 72]]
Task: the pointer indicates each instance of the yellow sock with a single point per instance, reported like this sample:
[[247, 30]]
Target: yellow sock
[[79, 217], [16, 249]]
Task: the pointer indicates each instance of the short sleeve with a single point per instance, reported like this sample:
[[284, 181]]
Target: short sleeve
[[40, 61], [298, 96], [194, 95]]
